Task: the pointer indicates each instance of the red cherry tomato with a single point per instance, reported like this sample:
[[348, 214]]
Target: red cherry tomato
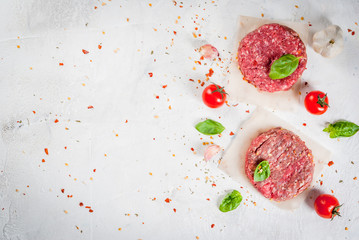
[[316, 102], [214, 96], [327, 206]]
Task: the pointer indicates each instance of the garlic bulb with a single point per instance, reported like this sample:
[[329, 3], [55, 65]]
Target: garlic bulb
[[329, 42]]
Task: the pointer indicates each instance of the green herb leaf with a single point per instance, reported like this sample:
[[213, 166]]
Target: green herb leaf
[[231, 201], [209, 127], [284, 66], [262, 171], [341, 129]]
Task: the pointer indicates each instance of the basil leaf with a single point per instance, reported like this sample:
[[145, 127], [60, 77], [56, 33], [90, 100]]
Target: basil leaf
[[262, 171], [209, 127], [284, 66], [231, 201], [341, 129]]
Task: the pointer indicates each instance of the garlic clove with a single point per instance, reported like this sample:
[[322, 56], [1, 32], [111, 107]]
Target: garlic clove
[[329, 42], [211, 151], [208, 51]]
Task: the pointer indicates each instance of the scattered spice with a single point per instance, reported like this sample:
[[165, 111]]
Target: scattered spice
[[150, 74], [167, 200], [81, 204], [63, 190], [46, 151], [61, 64], [90, 107], [84, 51], [174, 210], [212, 226], [231, 134], [164, 86], [330, 163], [56, 121]]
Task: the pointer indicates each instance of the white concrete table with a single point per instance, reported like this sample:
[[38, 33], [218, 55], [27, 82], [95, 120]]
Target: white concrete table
[[117, 119]]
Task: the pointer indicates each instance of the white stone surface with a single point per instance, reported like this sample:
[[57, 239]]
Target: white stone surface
[[155, 139]]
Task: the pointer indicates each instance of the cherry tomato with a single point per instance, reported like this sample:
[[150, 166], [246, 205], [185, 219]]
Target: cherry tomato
[[327, 206], [316, 102], [214, 96]]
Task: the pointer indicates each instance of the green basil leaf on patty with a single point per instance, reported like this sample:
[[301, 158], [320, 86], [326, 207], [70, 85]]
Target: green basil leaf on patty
[[262, 171], [284, 66]]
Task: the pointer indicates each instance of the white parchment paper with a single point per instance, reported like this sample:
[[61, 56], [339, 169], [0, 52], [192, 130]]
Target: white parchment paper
[[233, 161], [242, 91]]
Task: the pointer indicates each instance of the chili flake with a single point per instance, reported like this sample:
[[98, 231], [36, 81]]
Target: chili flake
[[174, 210], [99, 46], [167, 200], [90, 210], [90, 107], [81, 204], [164, 86], [304, 124], [150, 74], [212, 226], [330, 163], [46, 151], [231, 134], [43, 160], [62, 190], [355, 178], [56, 121], [84, 51], [61, 64]]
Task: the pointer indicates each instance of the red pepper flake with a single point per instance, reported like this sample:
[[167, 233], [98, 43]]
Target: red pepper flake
[[46, 151], [247, 111], [191, 80], [208, 199], [65, 147], [81, 204], [126, 121], [192, 149], [33, 112], [150, 74], [174, 210], [69, 196], [330, 163], [349, 30], [304, 124], [214, 185], [164, 86], [87, 207], [62, 190], [99, 46], [202, 84], [90, 210], [353, 33], [61, 64], [56, 121], [174, 32], [43, 160], [95, 7], [231, 134], [321, 183], [84, 51], [94, 170], [167, 200], [212, 226], [90, 107], [157, 97], [210, 73]]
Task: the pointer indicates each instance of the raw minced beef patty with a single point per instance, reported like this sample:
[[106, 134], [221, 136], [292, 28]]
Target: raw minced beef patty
[[290, 161], [260, 48]]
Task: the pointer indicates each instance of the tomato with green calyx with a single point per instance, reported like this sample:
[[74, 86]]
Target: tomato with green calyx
[[327, 206], [214, 96], [316, 102]]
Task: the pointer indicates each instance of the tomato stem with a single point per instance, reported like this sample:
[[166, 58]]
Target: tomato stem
[[336, 212], [220, 90], [321, 101]]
